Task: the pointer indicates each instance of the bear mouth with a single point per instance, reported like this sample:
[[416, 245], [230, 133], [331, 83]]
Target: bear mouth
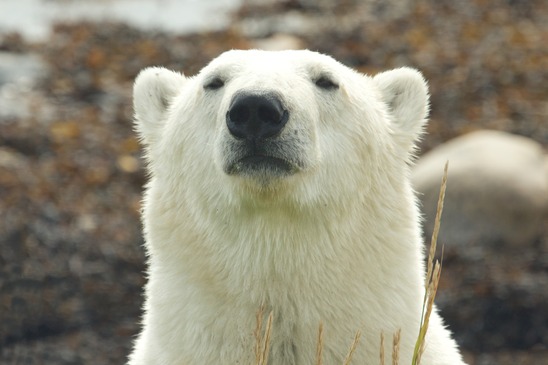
[[261, 165]]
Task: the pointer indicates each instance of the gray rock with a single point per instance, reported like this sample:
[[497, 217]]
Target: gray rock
[[497, 189], [279, 42], [19, 74], [16, 68]]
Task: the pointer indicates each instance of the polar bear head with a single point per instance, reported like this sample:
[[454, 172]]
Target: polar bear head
[[278, 126]]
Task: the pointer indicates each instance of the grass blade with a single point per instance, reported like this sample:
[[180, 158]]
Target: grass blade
[[432, 278]]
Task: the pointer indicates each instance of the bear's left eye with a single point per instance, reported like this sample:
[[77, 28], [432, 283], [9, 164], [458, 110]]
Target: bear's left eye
[[214, 84], [326, 83]]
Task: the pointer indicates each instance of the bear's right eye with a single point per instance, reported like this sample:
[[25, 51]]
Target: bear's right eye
[[326, 83], [214, 84]]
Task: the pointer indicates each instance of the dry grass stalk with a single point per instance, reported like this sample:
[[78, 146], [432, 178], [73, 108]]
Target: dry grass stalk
[[258, 333], [432, 277], [396, 347], [262, 344], [319, 349], [352, 348], [382, 348], [437, 222], [433, 288], [266, 344]]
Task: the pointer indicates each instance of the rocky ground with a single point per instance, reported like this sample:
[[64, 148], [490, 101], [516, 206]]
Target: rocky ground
[[71, 262]]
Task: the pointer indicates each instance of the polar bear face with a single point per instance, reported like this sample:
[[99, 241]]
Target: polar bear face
[[293, 125]]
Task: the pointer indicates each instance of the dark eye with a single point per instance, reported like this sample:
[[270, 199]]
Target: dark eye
[[214, 84], [326, 83]]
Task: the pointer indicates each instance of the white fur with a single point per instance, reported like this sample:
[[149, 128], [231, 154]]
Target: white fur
[[337, 243]]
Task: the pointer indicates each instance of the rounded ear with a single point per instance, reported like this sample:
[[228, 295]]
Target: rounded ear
[[405, 92], [153, 92]]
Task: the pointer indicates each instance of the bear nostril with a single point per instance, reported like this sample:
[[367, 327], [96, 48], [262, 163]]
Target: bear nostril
[[256, 116], [239, 115], [268, 114]]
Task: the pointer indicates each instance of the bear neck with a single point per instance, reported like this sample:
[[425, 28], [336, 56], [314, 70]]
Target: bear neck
[[268, 253]]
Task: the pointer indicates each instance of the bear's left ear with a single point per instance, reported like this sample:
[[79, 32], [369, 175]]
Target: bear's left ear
[[153, 92], [405, 92]]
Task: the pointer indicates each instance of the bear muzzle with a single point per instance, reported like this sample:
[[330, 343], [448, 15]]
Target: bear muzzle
[[267, 158], [256, 120]]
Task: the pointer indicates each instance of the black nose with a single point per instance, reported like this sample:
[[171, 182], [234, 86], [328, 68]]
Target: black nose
[[256, 116]]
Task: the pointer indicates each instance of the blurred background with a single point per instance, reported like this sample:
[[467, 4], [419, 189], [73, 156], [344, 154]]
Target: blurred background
[[71, 173]]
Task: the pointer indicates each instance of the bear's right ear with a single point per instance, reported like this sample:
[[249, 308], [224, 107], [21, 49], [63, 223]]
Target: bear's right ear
[[153, 92], [405, 92]]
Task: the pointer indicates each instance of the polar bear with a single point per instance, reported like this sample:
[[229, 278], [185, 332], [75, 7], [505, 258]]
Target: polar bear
[[281, 180]]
